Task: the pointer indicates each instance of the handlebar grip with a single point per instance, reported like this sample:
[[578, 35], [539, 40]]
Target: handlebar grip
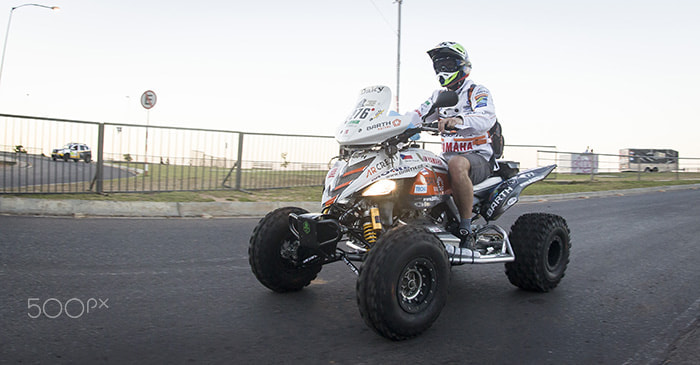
[[433, 127]]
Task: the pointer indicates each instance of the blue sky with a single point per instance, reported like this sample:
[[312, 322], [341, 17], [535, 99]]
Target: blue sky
[[606, 74]]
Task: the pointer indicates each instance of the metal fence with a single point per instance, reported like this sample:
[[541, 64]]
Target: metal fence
[[140, 158], [143, 158], [624, 166]]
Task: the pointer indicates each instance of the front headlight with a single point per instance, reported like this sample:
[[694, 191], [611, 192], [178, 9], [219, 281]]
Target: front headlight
[[381, 187]]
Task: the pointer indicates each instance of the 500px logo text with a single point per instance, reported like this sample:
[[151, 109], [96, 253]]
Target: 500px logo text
[[72, 308]]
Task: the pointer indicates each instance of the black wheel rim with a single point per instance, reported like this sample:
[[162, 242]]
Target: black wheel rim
[[416, 285], [289, 253], [554, 255]]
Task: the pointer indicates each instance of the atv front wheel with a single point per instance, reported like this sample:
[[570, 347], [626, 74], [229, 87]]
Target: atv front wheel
[[403, 284], [541, 244], [273, 253]]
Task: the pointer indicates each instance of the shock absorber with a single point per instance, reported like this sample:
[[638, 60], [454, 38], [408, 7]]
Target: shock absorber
[[372, 228], [369, 234]]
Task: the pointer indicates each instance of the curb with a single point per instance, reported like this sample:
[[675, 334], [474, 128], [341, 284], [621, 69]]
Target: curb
[[608, 193], [97, 208]]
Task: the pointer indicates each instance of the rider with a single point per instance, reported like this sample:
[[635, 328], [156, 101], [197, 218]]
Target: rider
[[468, 149]]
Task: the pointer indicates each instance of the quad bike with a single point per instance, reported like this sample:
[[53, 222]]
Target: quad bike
[[387, 203]]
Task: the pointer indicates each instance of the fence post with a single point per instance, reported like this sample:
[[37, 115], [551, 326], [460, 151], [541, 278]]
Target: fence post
[[239, 163], [639, 169], [99, 174]]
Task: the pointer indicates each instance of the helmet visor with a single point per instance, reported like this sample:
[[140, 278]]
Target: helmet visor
[[447, 64]]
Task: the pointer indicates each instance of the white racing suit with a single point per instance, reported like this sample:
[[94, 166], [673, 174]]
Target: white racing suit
[[478, 114]]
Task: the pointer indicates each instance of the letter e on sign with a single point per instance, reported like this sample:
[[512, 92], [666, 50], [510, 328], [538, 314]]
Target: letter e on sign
[[148, 99]]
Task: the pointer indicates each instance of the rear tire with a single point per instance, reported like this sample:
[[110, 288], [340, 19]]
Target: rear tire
[[541, 243], [270, 242], [403, 284]]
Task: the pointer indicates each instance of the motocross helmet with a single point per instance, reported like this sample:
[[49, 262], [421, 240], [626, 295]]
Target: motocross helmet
[[451, 64]]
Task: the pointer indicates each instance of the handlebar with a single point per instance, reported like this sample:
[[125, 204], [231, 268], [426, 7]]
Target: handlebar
[[433, 128], [430, 129], [390, 144], [406, 135]]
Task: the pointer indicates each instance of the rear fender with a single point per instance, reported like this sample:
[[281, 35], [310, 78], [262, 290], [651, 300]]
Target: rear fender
[[506, 194]]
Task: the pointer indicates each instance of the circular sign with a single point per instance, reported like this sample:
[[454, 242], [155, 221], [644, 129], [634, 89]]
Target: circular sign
[[148, 99]]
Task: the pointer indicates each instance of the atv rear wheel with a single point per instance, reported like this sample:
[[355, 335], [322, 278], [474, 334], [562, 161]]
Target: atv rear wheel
[[403, 284], [272, 252], [541, 243]]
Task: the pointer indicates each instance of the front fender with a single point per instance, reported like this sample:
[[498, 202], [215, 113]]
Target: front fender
[[506, 194]]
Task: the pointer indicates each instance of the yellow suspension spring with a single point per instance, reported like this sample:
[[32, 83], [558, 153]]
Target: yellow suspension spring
[[369, 233]]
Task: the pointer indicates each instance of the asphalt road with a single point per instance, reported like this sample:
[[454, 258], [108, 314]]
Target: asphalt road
[[180, 290], [39, 170]]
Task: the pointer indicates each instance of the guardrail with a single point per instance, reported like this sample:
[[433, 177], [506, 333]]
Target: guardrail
[[151, 158]]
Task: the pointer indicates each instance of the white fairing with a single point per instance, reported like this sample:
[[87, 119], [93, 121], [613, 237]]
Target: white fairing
[[370, 121], [366, 167], [369, 124]]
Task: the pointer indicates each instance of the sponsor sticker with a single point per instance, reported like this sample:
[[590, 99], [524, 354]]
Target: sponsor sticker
[[457, 146], [420, 189], [440, 184], [481, 100], [373, 89]]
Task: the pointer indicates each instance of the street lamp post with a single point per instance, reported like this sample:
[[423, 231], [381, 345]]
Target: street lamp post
[[7, 33], [398, 57]]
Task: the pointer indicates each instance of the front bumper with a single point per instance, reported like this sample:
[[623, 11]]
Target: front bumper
[[316, 231]]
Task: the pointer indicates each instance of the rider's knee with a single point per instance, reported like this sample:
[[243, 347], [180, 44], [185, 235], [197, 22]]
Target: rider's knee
[[458, 164]]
